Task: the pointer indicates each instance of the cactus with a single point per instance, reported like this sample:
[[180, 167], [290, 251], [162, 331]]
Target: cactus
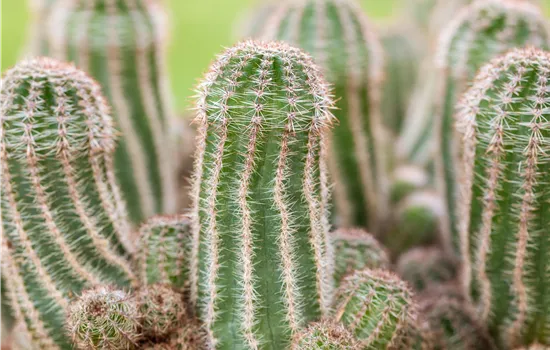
[[121, 44], [260, 251], [324, 335], [502, 123], [425, 268], [63, 223], [481, 31], [407, 179], [378, 308], [104, 318], [164, 249], [337, 34], [37, 42], [355, 249], [161, 309]]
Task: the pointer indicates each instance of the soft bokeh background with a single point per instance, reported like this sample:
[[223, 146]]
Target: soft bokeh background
[[200, 28]]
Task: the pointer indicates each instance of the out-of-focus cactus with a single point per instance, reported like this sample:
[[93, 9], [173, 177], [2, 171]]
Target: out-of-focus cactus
[[340, 38], [260, 263], [64, 225], [252, 20], [378, 308], [104, 318], [162, 310], [407, 179], [324, 335], [480, 32], [38, 43], [121, 43], [425, 268], [504, 174], [164, 250]]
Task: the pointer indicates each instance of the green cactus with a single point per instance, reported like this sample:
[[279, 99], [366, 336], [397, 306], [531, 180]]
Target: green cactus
[[104, 318], [481, 31], [504, 172], [339, 36], [407, 179], [164, 249], [425, 268], [121, 43], [260, 258], [378, 308], [37, 41], [355, 249], [63, 223], [324, 335], [161, 309]]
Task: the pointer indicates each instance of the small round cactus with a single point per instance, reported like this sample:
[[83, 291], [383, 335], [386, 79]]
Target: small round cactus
[[407, 179], [104, 318], [324, 335], [355, 249], [162, 310]]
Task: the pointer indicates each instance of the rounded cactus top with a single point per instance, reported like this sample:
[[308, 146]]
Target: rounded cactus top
[[487, 28], [55, 110], [324, 335], [270, 83]]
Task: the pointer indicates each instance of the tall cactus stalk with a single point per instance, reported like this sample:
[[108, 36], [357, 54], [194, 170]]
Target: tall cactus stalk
[[480, 32], [259, 263], [121, 44], [38, 43], [337, 34], [64, 226], [504, 196]]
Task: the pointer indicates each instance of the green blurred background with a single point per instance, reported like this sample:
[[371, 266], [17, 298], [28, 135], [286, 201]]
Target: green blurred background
[[200, 28]]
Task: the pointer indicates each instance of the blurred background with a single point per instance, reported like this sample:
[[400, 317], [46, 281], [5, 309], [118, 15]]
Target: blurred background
[[199, 30]]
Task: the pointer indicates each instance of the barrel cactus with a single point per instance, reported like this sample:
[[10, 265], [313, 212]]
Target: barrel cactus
[[481, 31], [260, 259], [503, 204], [64, 225], [324, 335], [122, 44], [340, 38], [161, 309]]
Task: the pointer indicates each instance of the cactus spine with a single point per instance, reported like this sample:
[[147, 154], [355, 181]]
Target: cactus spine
[[503, 204], [63, 223], [259, 263], [121, 44], [324, 335], [161, 310], [480, 32], [339, 37]]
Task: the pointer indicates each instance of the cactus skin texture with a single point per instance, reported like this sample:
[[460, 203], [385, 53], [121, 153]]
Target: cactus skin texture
[[503, 203], [260, 262], [337, 34], [64, 226], [378, 308], [480, 32], [355, 249], [164, 249], [425, 268], [324, 335], [161, 310], [121, 44]]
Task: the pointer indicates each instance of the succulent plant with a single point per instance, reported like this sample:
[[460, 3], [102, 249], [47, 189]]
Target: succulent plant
[[407, 179], [426, 268], [164, 249], [504, 170], [121, 44], [481, 31], [64, 225], [355, 249], [162, 310], [378, 308], [37, 42], [260, 260], [339, 36], [324, 335], [104, 318]]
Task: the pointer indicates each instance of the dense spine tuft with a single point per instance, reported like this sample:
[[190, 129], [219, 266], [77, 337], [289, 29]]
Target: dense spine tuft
[[324, 335], [162, 310]]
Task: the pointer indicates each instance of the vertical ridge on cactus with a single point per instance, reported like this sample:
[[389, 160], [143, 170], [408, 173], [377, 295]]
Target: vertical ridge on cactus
[[503, 199], [339, 36], [63, 225], [260, 258], [121, 44], [481, 31]]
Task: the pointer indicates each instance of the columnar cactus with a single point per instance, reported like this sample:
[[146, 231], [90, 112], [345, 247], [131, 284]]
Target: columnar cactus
[[503, 203], [260, 251], [480, 32], [64, 225], [337, 34], [164, 249], [324, 335], [38, 43], [356, 249], [121, 44], [377, 307]]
